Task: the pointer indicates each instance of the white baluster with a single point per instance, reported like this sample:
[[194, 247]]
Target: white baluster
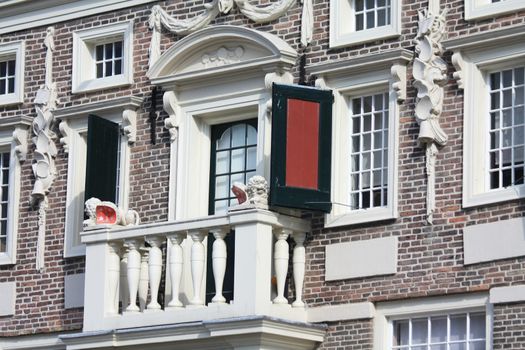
[[123, 285], [133, 273], [143, 278], [281, 257], [155, 271], [299, 260], [113, 277], [219, 256], [176, 261], [197, 266]]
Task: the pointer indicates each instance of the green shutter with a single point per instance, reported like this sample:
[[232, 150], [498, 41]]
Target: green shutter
[[301, 147], [101, 163]]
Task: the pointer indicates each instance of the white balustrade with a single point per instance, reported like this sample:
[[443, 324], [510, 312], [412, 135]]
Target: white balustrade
[[113, 277], [219, 256], [143, 278], [134, 262], [299, 265], [176, 262], [155, 270], [123, 282], [281, 258], [198, 261]]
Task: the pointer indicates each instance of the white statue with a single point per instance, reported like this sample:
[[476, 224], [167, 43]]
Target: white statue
[[107, 213], [255, 193]]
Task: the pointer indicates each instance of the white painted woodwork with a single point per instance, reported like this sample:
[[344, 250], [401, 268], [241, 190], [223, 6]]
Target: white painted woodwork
[[219, 255], [198, 262], [74, 286], [280, 260], [299, 266], [8, 299], [134, 262], [341, 312], [176, 262], [155, 271], [510, 294], [143, 279], [113, 277], [123, 283], [17, 50], [255, 230]]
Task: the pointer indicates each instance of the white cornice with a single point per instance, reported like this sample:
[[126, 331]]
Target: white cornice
[[11, 122], [486, 39], [114, 104], [16, 15]]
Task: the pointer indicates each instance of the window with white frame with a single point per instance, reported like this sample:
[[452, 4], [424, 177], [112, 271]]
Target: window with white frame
[[456, 322], [357, 21], [12, 150], [478, 9], [492, 74], [12, 73], [440, 332], [103, 57], [75, 128]]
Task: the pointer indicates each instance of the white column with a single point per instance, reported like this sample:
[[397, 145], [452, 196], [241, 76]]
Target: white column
[[176, 261], [280, 259], [155, 271], [133, 273], [113, 277], [123, 283], [143, 278], [198, 260], [299, 261], [219, 255]]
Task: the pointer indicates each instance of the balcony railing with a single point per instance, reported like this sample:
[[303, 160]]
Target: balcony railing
[[124, 277]]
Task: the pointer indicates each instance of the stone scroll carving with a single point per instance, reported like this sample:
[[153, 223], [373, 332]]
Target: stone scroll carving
[[45, 148], [171, 107], [430, 76], [107, 213], [259, 14]]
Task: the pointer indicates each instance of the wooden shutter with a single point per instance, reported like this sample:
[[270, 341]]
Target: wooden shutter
[[301, 147], [101, 163]]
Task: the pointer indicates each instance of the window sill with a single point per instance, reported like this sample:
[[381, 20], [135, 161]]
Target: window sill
[[360, 216], [102, 84], [353, 38], [11, 99], [494, 196], [6, 259]]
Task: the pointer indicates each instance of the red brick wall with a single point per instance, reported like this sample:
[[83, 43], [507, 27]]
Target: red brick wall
[[509, 326]]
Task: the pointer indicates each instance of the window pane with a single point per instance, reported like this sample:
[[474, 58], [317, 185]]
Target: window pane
[[458, 327], [458, 346], [99, 52], [118, 67], [438, 329], [3, 69], [477, 345], [507, 78], [237, 178], [400, 333], [438, 347], [251, 158], [10, 85], [3, 244], [237, 160], [2, 86], [239, 135], [221, 206], [252, 135], [109, 69], [222, 186], [118, 49], [477, 326], [109, 51], [223, 162], [224, 140], [100, 70], [419, 331], [11, 67]]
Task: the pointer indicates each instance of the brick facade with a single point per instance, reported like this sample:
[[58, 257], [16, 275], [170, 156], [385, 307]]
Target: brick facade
[[430, 257]]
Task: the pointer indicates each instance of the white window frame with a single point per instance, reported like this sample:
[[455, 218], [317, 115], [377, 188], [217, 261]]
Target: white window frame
[[342, 32], [84, 70], [475, 57], [13, 138], [479, 9], [363, 76], [74, 124], [388, 312], [16, 51]]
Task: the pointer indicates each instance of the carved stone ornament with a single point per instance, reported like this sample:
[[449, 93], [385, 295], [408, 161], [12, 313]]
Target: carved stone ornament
[[172, 108], [222, 56], [160, 18], [107, 213], [20, 140], [278, 78], [430, 76], [255, 193]]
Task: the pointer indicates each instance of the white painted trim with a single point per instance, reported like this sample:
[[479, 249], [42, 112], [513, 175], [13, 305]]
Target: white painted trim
[[75, 118], [363, 75], [388, 311], [33, 342], [477, 56], [8, 300], [341, 312], [14, 50], [84, 42], [478, 9], [511, 294], [17, 15], [342, 32]]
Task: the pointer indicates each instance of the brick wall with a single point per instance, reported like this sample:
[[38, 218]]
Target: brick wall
[[509, 326], [430, 257]]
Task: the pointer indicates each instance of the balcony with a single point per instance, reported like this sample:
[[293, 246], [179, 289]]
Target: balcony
[[124, 276]]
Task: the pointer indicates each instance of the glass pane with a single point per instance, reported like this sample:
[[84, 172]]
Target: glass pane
[[477, 326], [507, 117], [458, 327], [238, 135], [438, 347], [378, 102], [378, 140], [378, 121], [376, 178], [2, 86], [252, 135], [354, 180], [494, 100], [109, 51], [494, 179], [11, 67], [366, 179], [519, 96], [369, 4], [381, 18], [367, 104], [4, 211], [251, 159], [118, 49], [518, 136], [222, 186], [356, 125], [118, 67], [370, 21], [355, 163], [10, 85], [359, 5], [367, 122], [377, 159], [518, 115], [224, 141], [223, 162], [237, 160], [507, 98], [3, 69], [249, 175], [494, 120], [438, 330], [3, 244], [100, 70], [365, 199], [366, 161], [237, 178], [419, 331], [507, 78], [518, 76], [367, 142], [5, 193], [477, 345], [506, 138], [518, 155], [494, 81], [221, 206], [458, 346], [356, 106], [99, 52], [376, 196], [355, 143], [359, 25], [494, 140]]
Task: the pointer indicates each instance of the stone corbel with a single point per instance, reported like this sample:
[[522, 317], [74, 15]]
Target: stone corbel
[[129, 124], [459, 64], [20, 140], [399, 76], [172, 108], [65, 131], [320, 83]]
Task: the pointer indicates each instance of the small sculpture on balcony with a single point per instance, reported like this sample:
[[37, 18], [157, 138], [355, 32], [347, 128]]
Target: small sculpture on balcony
[[107, 213], [255, 193]]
